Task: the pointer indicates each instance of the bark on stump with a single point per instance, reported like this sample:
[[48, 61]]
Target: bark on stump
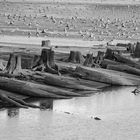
[[76, 57], [46, 62], [99, 57], [46, 43], [137, 50], [89, 60], [109, 54], [13, 65]]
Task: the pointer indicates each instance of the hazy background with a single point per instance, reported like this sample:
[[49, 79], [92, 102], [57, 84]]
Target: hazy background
[[83, 1]]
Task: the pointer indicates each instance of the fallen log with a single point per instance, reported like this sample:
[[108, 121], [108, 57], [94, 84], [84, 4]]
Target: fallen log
[[107, 62], [126, 61], [124, 68], [107, 76], [13, 102], [63, 81], [25, 88]]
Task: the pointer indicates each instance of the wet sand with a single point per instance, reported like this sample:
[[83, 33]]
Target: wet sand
[[74, 119]]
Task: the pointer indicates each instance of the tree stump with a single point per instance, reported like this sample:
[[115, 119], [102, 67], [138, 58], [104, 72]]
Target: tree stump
[[89, 60], [13, 65], [46, 43], [46, 62], [99, 58], [137, 50], [76, 57], [109, 54]]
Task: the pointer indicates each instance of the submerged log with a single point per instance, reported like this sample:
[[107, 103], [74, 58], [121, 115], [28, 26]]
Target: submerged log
[[124, 68], [107, 76], [12, 99]]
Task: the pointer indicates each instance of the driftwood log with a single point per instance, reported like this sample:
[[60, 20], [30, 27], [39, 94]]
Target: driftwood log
[[107, 76], [127, 61], [62, 81], [124, 68]]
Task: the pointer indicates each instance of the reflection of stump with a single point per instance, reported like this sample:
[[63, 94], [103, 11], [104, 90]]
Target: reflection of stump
[[99, 57], [89, 60], [46, 104], [46, 62], [46, 43], [13, 65], [76, 57], [109, 54], [12, 112]]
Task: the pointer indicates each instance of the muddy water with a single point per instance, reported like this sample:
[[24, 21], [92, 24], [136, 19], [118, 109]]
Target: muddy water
[[73, 119]]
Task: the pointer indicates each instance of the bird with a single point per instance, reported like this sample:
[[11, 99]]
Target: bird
[[96, 118]]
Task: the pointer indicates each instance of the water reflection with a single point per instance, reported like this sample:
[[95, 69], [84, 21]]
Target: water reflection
[[46, 104], [12, 112], [113, 99]]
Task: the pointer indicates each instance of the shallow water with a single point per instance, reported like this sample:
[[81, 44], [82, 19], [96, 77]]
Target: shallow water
[[73, 119]]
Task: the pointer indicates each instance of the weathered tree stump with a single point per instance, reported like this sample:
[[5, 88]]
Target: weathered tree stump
[[89, 60], [109, 54], [75, 57], [13, 65], [99, 58], [137, 50], [46, 43], [46, 62]]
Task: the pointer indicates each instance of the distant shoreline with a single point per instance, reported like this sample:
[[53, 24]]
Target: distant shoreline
[[105, 2]]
